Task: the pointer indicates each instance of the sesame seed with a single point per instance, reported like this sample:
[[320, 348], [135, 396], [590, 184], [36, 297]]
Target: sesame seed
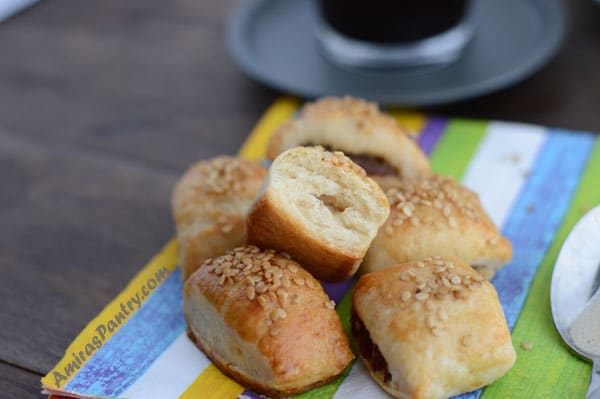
[[261, 288], [467, 340], [309, 282], [436, 332], [282, 295], [330, 304], [226, 228], [442, 314], [262, 301], [278, 314], [405, 296], [250, 293], [421, 296], [526, 345], [452, 222], [454, 279], [298, 281], [292, 268], [430, 321], [407, 211], [404, 276]]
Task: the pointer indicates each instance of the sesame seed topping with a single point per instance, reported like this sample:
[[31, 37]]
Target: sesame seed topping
[[262, 301], [454, 279], [436, 332], [452, 222], [442, 314], [421, 296], [467, 340], [250, 293], [526, 345], [330, 304], [406, 296], [430, 321], [277, 314], [298, 281]]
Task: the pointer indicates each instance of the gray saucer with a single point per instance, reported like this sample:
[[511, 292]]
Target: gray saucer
[[274, 42]]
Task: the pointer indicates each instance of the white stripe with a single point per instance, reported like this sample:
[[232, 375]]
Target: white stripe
[[501, 165], [497, 172], [172, 372]]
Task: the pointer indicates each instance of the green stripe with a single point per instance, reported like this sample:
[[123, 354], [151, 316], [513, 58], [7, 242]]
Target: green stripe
[[451, 156], [457, 146], [549, 370], [328, 391]]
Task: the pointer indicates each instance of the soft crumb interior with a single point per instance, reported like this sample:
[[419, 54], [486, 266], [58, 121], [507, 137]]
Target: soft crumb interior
[[338, 207]]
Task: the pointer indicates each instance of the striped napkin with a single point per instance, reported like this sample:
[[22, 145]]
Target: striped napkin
[[535, 182]]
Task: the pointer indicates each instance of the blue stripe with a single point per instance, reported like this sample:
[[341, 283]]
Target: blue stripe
[[537, 215], [127, 355]]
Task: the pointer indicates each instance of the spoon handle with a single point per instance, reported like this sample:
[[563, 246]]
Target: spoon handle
[[594, 389]]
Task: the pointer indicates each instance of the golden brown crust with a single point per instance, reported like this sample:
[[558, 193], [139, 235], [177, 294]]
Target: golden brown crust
[[266, 322], [321, 208], [436, 216], [356, 127], [210, 204], [438, 324]]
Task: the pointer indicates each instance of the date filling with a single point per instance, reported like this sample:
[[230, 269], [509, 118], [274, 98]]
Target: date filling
[[368, 350], [372, 164]]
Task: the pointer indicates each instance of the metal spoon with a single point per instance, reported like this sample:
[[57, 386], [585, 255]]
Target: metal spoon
[[575, 280]]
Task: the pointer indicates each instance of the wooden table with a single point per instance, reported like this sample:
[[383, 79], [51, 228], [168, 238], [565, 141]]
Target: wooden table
[[102, 106]]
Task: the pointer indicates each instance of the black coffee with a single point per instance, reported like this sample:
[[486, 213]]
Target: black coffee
[[392, 21]]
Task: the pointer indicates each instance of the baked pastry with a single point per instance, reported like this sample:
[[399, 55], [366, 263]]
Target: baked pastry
[[356, 127], [430, 329], [210, 204], [265, 322], [436, 216], [321, 208]]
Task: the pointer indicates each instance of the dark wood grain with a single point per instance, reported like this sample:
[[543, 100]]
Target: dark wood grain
[[80, 227], [17, 383], [564, 93], [103, 104]]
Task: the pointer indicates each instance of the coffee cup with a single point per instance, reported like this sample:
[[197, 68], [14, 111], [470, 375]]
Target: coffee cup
[[394, 33]]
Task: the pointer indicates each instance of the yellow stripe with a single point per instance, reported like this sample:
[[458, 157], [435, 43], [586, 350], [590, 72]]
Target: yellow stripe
[[255, 145], [412, 120], [212, 384], [167, 258]]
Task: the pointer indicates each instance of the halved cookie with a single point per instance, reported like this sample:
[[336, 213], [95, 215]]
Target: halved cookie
[[265, 322], [210, 205], [430, 329], [436, 216], [372, 139], [321, 208]]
